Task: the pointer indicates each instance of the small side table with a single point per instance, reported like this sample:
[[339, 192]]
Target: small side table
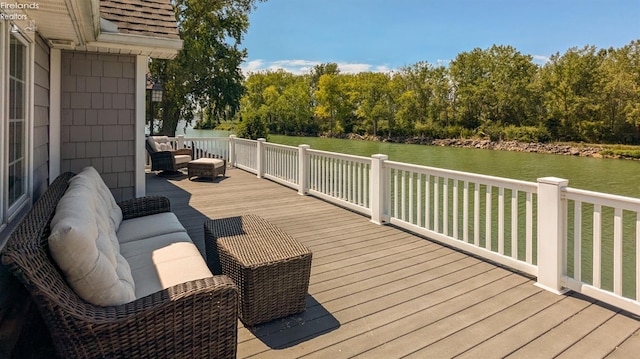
[[270, 268]]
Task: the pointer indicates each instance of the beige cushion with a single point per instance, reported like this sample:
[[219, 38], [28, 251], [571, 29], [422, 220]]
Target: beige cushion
[[148, 226], [160, 143], [83, 246], [182, 159], [152, 144], [217, 163], [160, 262], [91, 179]]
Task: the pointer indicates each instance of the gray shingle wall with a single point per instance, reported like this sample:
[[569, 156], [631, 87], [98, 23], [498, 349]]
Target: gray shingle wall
[[98, 117], [41, 119]]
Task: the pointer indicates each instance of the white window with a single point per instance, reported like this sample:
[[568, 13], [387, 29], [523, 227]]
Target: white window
[[15, 114]]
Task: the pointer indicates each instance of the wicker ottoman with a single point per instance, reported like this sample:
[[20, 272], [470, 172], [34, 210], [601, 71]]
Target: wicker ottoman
[[270, 268], [206, 167]]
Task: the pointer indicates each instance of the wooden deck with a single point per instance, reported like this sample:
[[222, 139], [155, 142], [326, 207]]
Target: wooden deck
[[380, 292]]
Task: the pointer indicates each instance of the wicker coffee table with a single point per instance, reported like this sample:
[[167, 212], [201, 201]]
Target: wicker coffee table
[[206, 167], [270, 268]]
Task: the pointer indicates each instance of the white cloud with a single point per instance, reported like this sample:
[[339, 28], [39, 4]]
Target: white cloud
[[252, 66], [353, 68], [540, 59], [299, 67]]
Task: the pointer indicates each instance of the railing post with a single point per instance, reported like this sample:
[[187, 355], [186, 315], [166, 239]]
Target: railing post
[[303, 169], [551, 233], [377, 185], [232, 150], [260, 157], [180, 142]]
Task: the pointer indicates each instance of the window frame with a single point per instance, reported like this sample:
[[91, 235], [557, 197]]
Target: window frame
[[9, 212]]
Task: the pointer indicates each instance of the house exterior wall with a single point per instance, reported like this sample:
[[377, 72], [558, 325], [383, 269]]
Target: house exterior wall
[[41, 118], [98, 117], [17, 314]]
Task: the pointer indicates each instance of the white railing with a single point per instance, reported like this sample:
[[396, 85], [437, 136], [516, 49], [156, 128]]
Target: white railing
[[339, 178], [207, 147], [280, 164], [488, 216], [608, 228], [543, 228], [244, 154], [210, 147]]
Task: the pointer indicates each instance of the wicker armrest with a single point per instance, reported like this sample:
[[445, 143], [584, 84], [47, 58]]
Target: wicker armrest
[[197, 319], [144, 206], [183, 151], [163, 156]]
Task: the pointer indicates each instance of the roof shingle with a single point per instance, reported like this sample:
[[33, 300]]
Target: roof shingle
[[155, 18]]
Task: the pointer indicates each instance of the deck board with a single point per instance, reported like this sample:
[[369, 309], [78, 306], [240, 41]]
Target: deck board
[[381, 292]]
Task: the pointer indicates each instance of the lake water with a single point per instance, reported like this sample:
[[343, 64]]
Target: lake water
[[621, 177]]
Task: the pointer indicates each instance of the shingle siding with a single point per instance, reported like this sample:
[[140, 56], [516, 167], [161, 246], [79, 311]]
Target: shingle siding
[[97, 116], [41, 119]]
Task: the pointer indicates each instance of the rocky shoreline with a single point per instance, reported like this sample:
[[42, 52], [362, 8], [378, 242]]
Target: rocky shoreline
[[550, 148]]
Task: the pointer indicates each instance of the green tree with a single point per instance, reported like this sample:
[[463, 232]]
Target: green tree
[[571, 92], [373, 101], [493, 87], [281, 99], [330, 68], [331, 102], [620, 90], [252, 127], [205, 75], [426, 100], [469, 76]]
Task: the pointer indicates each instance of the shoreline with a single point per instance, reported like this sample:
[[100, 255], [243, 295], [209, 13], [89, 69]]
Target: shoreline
[[595, 151]]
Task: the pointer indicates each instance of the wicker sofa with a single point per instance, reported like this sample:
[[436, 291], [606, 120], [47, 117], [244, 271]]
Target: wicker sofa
[[164, 157], [189, 313]]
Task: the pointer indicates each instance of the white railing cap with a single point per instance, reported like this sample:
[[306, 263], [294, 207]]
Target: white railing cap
[[553, 180]]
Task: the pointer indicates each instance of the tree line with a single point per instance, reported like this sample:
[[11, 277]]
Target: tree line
[[586, 94]]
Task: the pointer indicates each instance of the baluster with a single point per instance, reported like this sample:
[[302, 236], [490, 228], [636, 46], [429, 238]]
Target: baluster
[[456, 235], [427, 202], [476, 214], [514, 224], [419, 201], [529, 226], [617, 251], [501, 220], [597, 246], [487, 225], [465, 212], [577, 240], [637, 256], [403, 208], [436, 203], [411, 201], [445, 206]]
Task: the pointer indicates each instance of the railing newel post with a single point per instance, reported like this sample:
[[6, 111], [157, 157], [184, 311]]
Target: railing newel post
[[303, 170], [180, 144], [378, 185], [551, 232], [260, 157], [232, 150]]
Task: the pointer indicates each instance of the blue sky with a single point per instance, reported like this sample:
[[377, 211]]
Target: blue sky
[[382, 35]]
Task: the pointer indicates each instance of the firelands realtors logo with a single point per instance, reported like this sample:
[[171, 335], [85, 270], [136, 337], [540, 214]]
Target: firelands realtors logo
[[4, 6]]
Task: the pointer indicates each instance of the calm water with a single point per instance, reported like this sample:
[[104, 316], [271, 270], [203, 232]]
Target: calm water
[[613, 176]]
